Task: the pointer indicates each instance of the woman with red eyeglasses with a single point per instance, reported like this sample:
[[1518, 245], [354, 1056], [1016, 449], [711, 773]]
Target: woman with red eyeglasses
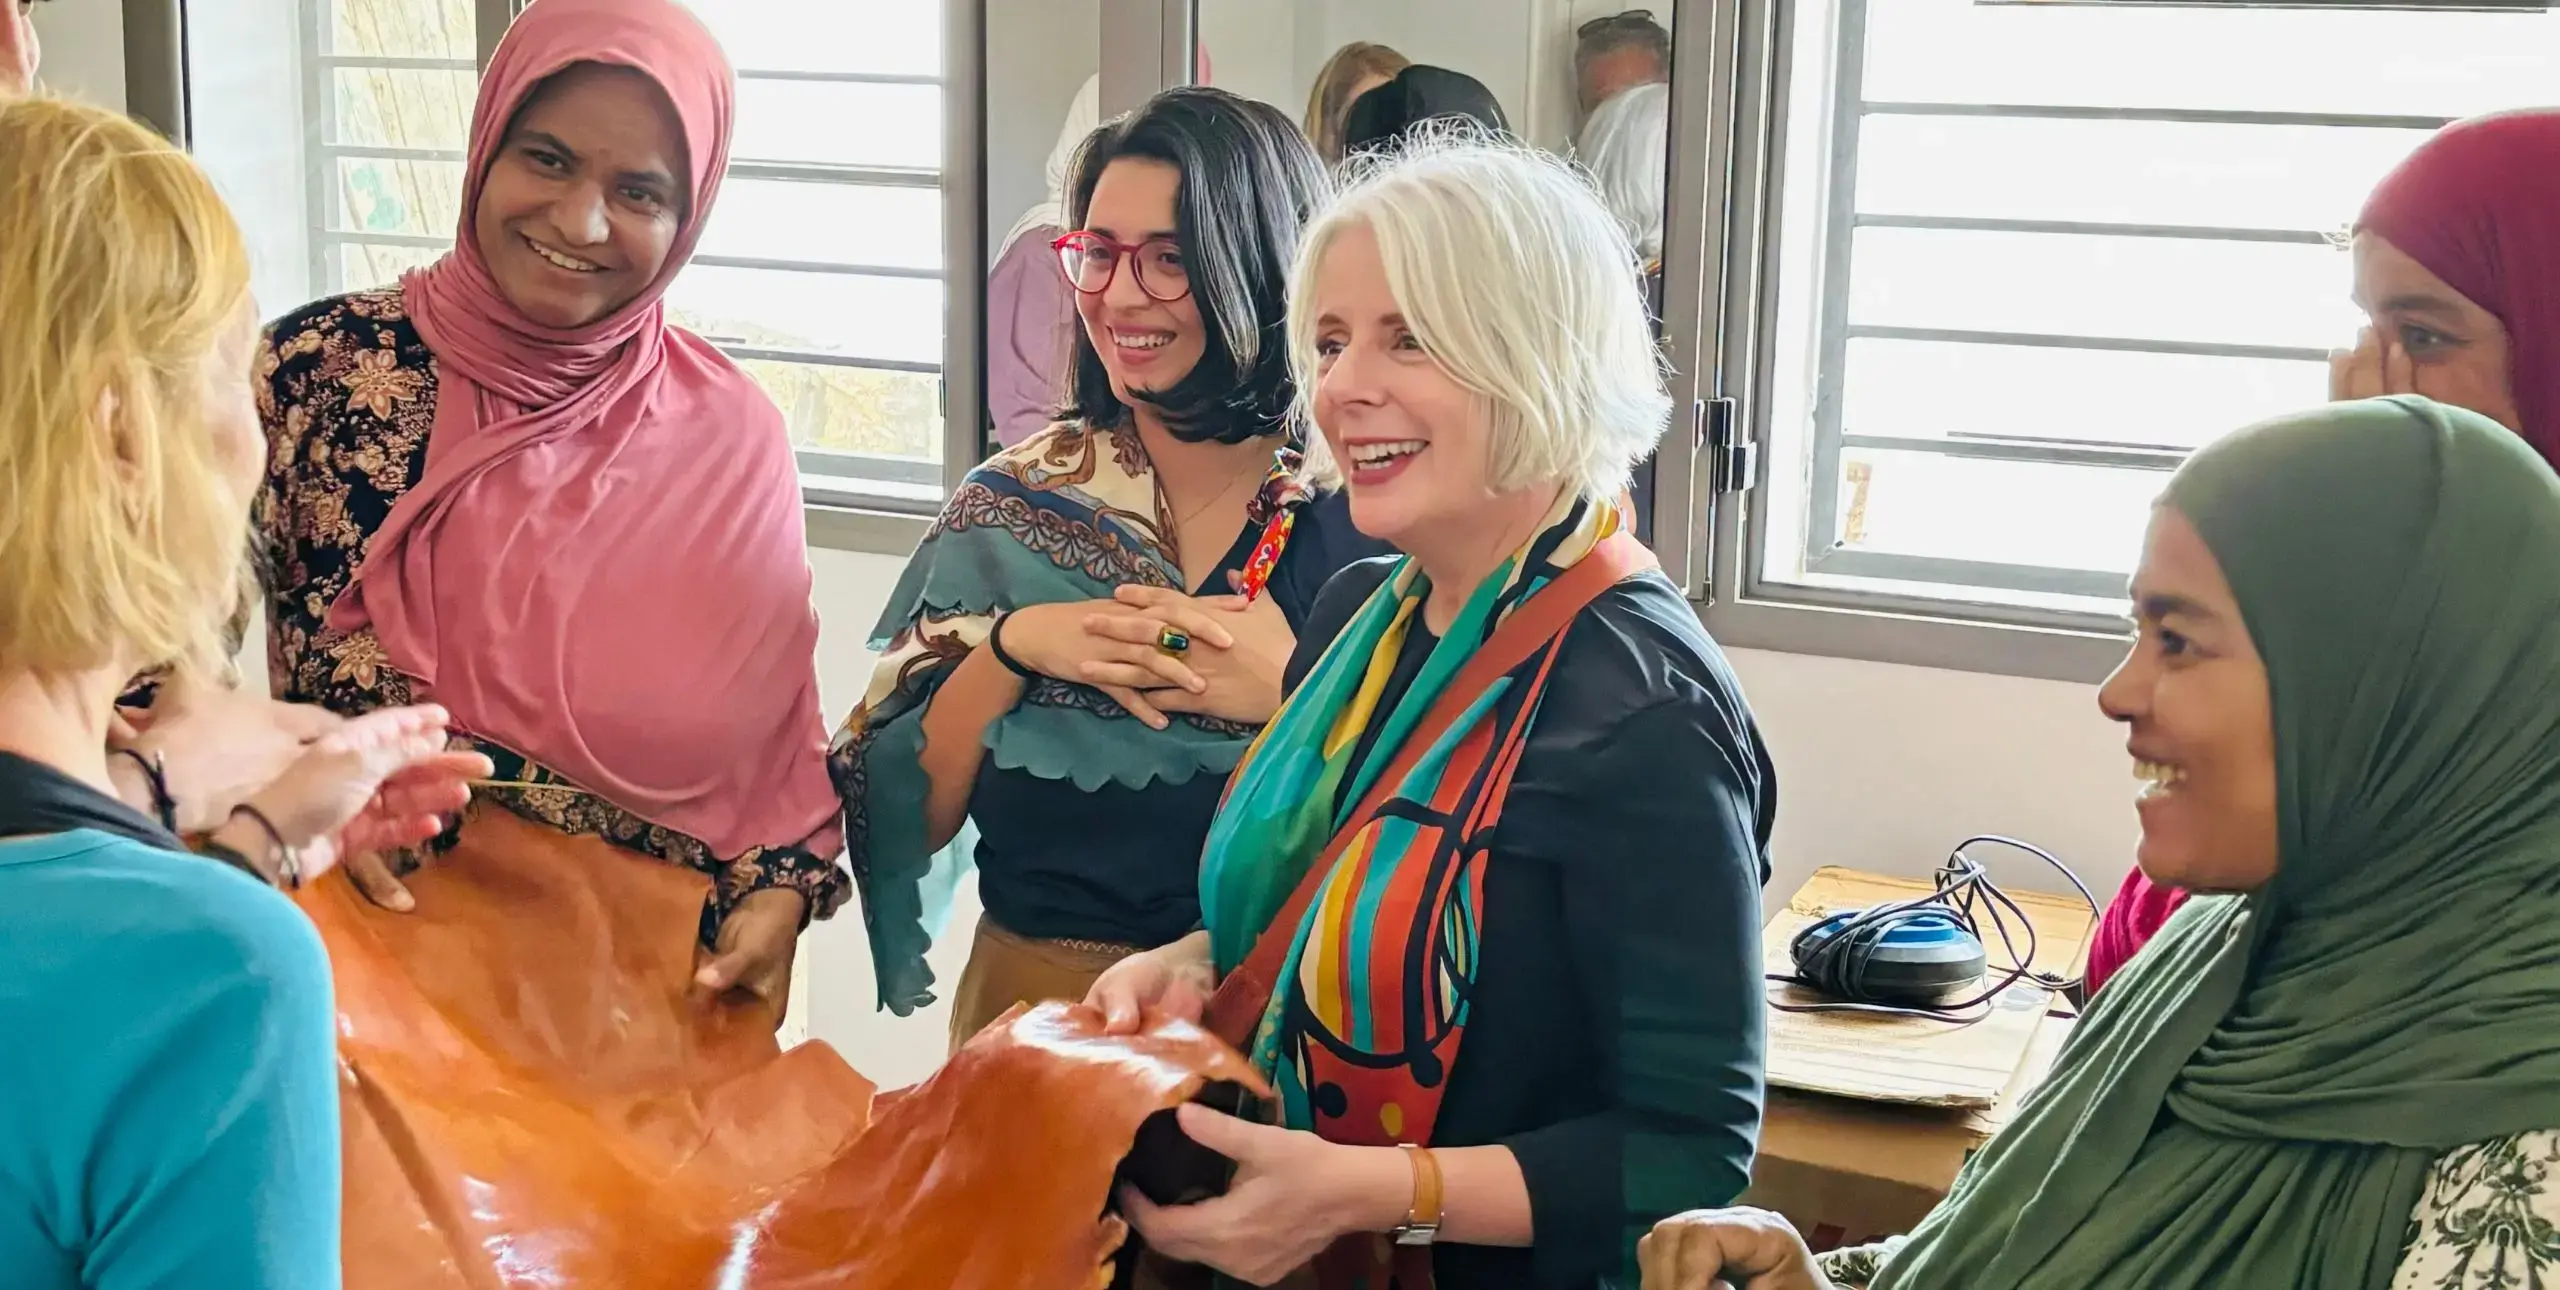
[[1096, 626]]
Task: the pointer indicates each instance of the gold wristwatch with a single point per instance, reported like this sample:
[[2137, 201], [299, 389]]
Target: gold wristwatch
[[1421, 1224]]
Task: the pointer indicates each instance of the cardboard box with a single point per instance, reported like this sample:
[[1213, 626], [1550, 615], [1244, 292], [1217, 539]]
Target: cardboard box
[[1869, 1118]]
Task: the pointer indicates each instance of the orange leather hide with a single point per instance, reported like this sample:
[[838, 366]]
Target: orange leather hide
[[537, 1097]]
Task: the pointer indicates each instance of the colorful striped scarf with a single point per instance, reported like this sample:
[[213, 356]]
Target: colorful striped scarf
[[1383, 960]]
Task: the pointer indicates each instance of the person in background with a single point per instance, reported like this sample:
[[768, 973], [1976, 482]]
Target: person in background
[[20, 51], [169, 1088], [1627, 148], [2339, 1064], [2457, 270], [510, 483], [1398, 110], [1354, 70], [1616, 53], [1483, 903], [1067, 664], [1031, 312]]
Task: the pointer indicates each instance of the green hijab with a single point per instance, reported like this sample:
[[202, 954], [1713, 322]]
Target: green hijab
[[2258, 1099]]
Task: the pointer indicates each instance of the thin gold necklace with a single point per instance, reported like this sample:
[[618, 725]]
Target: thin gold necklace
[[1179, 521]]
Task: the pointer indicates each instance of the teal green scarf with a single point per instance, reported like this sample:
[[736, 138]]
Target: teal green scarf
[[1072, 513], [2258, 1099]]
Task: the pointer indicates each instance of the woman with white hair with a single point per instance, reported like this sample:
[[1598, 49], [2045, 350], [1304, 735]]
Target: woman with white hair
[[1515, 799]]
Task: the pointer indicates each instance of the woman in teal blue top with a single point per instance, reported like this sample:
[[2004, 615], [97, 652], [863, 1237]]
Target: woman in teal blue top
[[168, 1082], [170, 1087]]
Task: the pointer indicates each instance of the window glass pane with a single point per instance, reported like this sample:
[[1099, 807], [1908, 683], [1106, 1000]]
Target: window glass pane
[[2267, 60], [856, 410], [814, 122], [1916, 389], [1956, 508], [416, 198], [897, 319], [829, 223], [384, 107], [891, 37], [2147, 288], [1979, 373], [2311, 178], [401, 28], [363, 266]]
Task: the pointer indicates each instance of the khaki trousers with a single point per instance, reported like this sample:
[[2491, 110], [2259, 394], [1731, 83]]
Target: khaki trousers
[[1006, 969]]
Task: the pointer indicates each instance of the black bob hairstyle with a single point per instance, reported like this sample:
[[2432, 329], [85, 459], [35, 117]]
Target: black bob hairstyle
[[1392, 114], [1250, 182]]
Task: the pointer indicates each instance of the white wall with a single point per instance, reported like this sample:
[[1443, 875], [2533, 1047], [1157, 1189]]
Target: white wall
[[244, 62], [1879, 767], [83, 49], [247, 81], [1252, 48], [840, 992], [1038, 52]]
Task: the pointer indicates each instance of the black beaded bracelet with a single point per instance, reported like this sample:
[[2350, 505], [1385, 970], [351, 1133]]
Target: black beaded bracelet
[[155, 777], [995, 645], [213, 850], [288, 860]]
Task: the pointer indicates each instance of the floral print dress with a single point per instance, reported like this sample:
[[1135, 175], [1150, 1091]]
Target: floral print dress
[[2488, 1220], [347, 390]]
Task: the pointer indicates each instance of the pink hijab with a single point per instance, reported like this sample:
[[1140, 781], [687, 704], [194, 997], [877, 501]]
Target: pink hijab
[[605, 567]]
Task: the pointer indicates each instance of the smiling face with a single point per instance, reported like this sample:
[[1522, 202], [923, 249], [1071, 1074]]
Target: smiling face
[[586, 197], [2457, 350], [2194, 699], [1415, 447], [1145, 344]]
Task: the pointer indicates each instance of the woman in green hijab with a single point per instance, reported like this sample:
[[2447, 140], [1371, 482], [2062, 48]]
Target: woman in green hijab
[[2340, 1066]]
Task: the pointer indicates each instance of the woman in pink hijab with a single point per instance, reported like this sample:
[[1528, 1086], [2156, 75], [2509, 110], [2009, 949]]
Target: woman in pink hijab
[[511, 486], [2457, 269]]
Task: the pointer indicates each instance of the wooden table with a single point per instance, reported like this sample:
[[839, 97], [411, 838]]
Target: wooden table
[[1869, 1118]]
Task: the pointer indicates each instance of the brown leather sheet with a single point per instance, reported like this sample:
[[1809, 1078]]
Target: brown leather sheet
[[537, 1099]]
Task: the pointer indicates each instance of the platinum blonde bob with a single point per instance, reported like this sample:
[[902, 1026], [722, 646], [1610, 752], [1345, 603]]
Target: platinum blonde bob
[[1521, 285]]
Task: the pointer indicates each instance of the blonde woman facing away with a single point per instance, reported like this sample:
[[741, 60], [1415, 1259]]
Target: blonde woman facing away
[[168, 1087]]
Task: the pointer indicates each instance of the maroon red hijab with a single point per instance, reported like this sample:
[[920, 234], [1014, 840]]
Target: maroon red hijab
[[2479, 206]]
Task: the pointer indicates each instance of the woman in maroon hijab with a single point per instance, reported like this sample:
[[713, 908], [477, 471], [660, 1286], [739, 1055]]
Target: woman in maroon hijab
[[2457, 269]]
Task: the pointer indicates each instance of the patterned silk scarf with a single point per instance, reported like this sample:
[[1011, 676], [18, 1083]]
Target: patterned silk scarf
[[1072, 513], [1363, 1027]]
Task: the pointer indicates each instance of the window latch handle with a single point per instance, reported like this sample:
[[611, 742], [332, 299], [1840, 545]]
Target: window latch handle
[[1734, 458]]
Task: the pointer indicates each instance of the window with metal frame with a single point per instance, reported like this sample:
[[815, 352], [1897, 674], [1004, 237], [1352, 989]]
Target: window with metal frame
[[2014, 261], [389, 85], [822, 270]]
